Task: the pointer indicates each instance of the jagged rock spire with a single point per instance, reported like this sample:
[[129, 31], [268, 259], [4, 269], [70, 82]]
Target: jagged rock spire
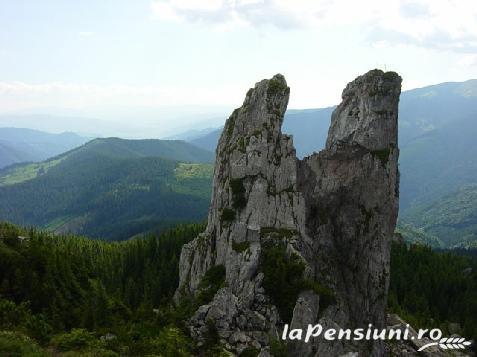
[[351, 190], [334, 212], [368, 113]]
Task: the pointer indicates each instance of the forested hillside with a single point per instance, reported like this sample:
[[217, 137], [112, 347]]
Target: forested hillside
[[110, 188], [78, 297], [66, 292], [430, 289]]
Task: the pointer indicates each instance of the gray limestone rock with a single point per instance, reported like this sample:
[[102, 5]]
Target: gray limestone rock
[[334, 211]]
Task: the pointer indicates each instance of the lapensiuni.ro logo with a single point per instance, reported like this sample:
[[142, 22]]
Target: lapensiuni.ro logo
[[432, 337]]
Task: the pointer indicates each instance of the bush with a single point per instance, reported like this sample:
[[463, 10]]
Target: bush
[[172, 342], [228, 215], [277, 232], [278, 348], [211, 282], [283, 280], [240, 247], [19, 318], [238, 193], [77, 339], [38, 328], [17, 344], [249, 352]]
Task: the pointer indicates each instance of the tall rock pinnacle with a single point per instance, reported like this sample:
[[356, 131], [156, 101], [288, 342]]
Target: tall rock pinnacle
[[319, 229]]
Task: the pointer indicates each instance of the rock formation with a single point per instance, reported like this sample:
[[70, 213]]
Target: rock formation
[[318, 228]]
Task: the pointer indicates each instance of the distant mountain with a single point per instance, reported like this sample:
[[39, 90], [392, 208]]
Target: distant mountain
[[421, 111], [438, 159], [426, 109], [452, 218], [9, 155], [167, 149], [84, 126], [27, 145], [309, 128], [110, 188], [438, 162], [192, 134], [208, 141]]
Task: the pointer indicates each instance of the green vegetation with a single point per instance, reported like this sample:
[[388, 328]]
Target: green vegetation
[[327, 297], [227, 215], [275, 87], [413, 235], [18, 344], [241, 144], [257, 133], [278, 348], [22, 173], [19, 145], [389, 76], [240, 247], [277, 232], [382, 155], [430, 289], [238, 193], [90, 190], [211, 282], [193, 171], [249, 352], [81, 297], [283, 279], [230, 124], [451, 221]]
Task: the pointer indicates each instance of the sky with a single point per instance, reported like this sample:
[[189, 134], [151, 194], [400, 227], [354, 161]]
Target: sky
[[176, 64]]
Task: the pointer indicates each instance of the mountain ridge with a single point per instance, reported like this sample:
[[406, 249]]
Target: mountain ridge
[[28, 145], [90, 190]]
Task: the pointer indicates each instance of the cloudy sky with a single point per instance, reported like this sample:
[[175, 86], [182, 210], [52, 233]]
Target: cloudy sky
[[107, 58]]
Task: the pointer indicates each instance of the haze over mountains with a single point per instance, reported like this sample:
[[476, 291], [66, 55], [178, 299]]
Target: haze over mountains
[[438, 165], [24, 145]]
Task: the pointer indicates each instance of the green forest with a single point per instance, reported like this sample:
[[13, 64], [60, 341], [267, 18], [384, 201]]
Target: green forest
[[73, 296], [110, 189]]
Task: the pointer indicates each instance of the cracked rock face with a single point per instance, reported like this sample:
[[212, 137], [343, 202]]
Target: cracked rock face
[[335, 212]]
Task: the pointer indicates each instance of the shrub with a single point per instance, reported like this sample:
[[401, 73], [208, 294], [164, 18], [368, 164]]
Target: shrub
[[283, 280], [77, 339], [249, 352], [275, 86], [228, 215], [238, 193], [277, 348], [277, 232], [383, 154], [17, 344], [172, 342], [283, 277], [211, 282], [240, 247]]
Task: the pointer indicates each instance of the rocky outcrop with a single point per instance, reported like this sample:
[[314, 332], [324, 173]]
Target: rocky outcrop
[[351, 191], [320, 227]]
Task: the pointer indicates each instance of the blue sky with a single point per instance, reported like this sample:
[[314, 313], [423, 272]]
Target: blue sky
[[114, 59]]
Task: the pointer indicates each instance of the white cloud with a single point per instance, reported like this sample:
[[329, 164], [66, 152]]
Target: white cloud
[[20, 95], [448, 24], [86, 33]]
